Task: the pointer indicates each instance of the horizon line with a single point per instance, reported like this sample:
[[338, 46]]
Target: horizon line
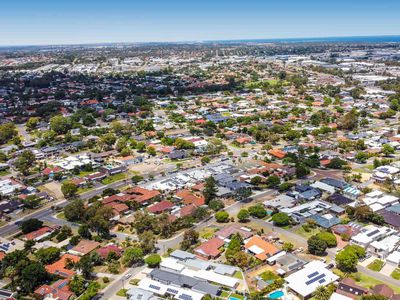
[[202, 41]]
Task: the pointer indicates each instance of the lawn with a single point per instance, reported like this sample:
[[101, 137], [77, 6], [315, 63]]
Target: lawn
[[376, 265], [300, 231], [82, 190], [364, 280], [4, 173], [396, 274], [268, 275], [207, 233], [238, 275], [114, 178], [122, 292], [61, 216]]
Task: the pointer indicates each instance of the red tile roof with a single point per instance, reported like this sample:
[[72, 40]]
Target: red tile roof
[[160, 206], [210, 248], [59, 267], [85, 246]]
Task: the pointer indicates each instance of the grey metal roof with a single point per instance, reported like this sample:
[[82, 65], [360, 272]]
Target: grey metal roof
[[179, 254]]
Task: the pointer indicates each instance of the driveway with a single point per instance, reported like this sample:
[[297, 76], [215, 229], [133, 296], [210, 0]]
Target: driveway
[[366, 262], [387, 269]]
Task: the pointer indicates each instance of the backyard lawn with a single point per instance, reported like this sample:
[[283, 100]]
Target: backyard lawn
[[376, 265], [306, 234], [122, 292]]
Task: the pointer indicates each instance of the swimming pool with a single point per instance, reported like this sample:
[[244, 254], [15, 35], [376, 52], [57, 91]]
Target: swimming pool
[[276, 295]]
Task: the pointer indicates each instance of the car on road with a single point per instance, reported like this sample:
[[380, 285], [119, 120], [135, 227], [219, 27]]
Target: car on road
[[127, 276]]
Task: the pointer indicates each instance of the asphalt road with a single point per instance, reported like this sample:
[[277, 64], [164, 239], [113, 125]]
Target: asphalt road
[[120, 282]]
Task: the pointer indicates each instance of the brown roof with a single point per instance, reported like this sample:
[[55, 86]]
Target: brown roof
[[85, 246], [383, 289]]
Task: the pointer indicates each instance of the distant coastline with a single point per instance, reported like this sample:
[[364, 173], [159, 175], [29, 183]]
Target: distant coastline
[[338, 39]]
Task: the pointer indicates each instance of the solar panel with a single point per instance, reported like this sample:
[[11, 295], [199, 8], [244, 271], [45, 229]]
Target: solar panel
[[313, 274], [315, 279], [154, 287], [322, 280], [185, 297], [372, 233], [172, 291]]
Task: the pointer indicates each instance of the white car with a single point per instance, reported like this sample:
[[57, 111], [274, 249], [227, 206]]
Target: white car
[[127, 276]]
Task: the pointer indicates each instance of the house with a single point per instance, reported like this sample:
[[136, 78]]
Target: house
[[177, 154], [326, 221], [305, 281], [371, 233], [230, 230], [160, 207], [84, 247], [106, 250], [142, 196], [348, 287], [189, 197], [259, 248], [210, 249], [58, 290], [40, 233], [60, 267], [277, 153]]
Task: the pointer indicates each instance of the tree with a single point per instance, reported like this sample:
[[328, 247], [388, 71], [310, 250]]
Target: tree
[[222, 216], [329, 238], [234, 247], [336, 163], [322, 293], [216, 205], [100, 222], [374, 297], [48, 255], [257, 211], [147, 241], [84, 231], [69, 189], [151, 151], [347, 259], [74, 211], [387, 149], [288, 247], [243, 215], [131, 256], [32, 276], [136, 179], [77, 284], [190, 238], [153, 260], [8, 131], [32, 123], [210, 189], [85, 265], [31, 225], [361, 157], [273, 181], [60, 124], [25, 162], [349, 121], [241, 259], [316, 245], [302, 170], [281, 219]]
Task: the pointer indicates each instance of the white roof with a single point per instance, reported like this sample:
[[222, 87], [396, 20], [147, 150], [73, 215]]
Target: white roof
[[161, 289], [211, 276], [171, 263], [323, 186], [337, 296], [394, 257], [313, 275], [256, 250]]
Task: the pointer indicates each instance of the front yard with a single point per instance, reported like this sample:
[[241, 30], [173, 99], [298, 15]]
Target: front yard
[[376, 265], [114, 178]]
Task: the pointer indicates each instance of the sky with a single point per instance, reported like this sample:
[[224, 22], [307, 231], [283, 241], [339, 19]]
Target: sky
[[47, 22]]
